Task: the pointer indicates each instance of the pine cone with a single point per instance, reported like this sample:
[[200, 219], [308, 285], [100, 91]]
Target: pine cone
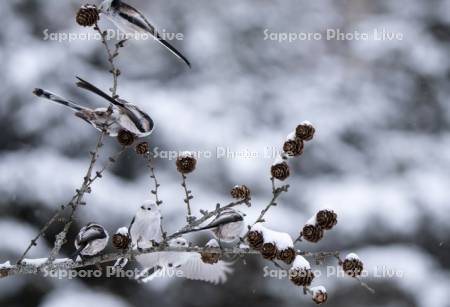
[[353, 267], [312, 233], [255, 239], [286, 255], [319, 295], [3, 273], [301, 277], [186, 163], [125, 138], [326, 219], [280, 171], [305, 131], [142, 148], [240, 192], [269, 251], [87, 15], [210, 258], [293, 147], [120, 241]]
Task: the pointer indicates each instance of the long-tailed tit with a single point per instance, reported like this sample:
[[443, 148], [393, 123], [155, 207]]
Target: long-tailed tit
[[186, 264], [90, 241], [130, 21], [227, 226], [122, 117], [130, 118], [146, 225]]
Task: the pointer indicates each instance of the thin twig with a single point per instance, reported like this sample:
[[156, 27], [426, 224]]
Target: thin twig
[[188, 193], [155, 190]]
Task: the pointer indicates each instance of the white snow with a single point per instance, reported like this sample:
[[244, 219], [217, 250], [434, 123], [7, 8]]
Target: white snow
[[317, 289], [281, 240], [212, 243], [352, 256], [122, 231], [5, 265], [301, 263], [291, 136]]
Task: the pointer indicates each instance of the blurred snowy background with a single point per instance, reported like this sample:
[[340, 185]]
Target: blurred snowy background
[[380, 158]]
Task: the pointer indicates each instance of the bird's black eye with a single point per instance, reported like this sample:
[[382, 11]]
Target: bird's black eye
[[149, 209]]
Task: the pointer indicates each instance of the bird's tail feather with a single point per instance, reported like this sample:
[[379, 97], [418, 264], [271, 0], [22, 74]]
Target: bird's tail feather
[[77, 253], [55, 98], [92, 88], [173, 50]]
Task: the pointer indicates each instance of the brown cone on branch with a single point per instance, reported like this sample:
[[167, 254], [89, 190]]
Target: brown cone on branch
[[352, 266], [326, 219], [305, 131], [255, 239], [301, 277], [125, 138], [286, 255], [319, 295], [186, 163], [121, 239], [269, 251], [87, 15], [240, 192], [280, 170], [210, 258], [312, 233], [142, 148], [293, 147]]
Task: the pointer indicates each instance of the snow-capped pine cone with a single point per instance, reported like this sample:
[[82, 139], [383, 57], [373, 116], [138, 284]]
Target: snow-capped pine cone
[[326, 219], [293, 148], [240, 192], [312, 233], [120, 241], [320, 297], [186, 164], [125, 138], [305, 131], [280, 171], [210, 258], [87, 15], [255, 239], [301, 277], [286, 255], [269, 251], [352, 267], [142, 148]]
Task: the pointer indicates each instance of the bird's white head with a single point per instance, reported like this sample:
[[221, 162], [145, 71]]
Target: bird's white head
[[179, 242], [149, 208]]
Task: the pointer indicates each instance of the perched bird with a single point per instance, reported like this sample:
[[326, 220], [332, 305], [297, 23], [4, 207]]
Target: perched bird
[[90, 241], [146, 225], [227, 226], [123, 116], [131, 117], [185, 264], [130, 21]]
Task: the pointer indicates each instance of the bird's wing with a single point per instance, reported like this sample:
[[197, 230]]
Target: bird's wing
[[91, 233], [194, 268], [135, 17], [224, 219]]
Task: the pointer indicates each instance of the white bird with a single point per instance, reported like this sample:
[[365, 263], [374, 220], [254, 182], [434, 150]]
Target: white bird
[[91, 240], [124, 115], [130, 21], [185, 264], [227, 226], [146, 225]]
